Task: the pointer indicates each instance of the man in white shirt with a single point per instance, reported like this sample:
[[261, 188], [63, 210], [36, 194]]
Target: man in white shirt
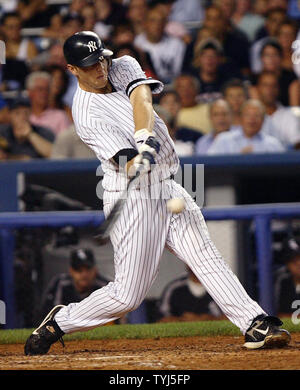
[[250, 139], [280, 122], [221, 118], [166, 52]]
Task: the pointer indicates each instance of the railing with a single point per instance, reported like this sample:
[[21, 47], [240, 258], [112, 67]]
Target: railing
[[261, 215], [9, 171]]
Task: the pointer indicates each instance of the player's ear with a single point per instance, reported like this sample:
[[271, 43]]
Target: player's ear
[[108, 60], [72, 69]]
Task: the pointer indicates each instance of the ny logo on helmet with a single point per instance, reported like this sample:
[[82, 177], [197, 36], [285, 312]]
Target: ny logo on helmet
[[92, 45]]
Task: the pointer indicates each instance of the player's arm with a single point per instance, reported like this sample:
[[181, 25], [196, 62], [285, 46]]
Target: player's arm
[[143, 116], [141, 101]]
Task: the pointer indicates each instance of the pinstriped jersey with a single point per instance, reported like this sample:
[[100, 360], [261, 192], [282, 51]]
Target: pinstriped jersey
[[105, 123]]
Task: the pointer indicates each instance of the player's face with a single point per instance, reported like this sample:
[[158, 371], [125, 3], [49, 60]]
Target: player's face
[[92, 78]]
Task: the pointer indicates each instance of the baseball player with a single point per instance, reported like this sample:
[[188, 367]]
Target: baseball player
[[113, 114]]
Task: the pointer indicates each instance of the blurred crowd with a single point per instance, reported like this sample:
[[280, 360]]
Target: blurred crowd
[[229, 66]]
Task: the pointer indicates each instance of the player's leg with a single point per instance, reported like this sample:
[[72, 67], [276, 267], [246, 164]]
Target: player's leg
[[189, 238], [138, 238]]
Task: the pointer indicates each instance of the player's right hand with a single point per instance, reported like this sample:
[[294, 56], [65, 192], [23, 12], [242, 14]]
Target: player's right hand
[[142, 163]]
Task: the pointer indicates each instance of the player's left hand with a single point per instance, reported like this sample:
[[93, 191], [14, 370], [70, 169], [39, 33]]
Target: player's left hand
[[146, 142]]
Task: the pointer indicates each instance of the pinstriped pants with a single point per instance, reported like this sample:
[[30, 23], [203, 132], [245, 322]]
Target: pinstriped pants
[[139, 237]]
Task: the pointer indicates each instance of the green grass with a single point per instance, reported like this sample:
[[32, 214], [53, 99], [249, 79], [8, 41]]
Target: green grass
[[145, 331]]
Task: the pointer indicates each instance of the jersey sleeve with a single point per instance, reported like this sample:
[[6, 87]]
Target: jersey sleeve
[[126, 74]]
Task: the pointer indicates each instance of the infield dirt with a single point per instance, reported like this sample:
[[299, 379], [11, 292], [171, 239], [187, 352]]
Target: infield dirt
[[189, 353]]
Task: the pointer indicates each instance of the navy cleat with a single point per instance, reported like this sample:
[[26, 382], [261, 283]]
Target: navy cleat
[[265, 332], [41, 339]]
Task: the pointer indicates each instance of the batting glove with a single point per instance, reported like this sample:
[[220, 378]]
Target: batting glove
[[142, 163], [146, 142]]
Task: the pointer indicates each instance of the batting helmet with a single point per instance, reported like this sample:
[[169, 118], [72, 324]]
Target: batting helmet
[[84, 49]]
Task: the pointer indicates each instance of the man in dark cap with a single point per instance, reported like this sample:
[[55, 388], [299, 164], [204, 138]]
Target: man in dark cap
[[21, 139], [83, 278], [287, 286]]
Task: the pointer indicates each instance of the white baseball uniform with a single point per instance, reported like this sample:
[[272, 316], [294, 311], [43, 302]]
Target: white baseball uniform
[[145, 227]]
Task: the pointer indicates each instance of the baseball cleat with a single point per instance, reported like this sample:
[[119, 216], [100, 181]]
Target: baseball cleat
[[265, 332], [41, 339]]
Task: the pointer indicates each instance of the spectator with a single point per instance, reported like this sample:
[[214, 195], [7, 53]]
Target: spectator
[[234, 42], [272, 55], [192, 115], [17, 54], [210, 71], [287, 282], [221, 117], [173, 27], [260, 7], [35, 13], [131, 50], [166, 53], [184, 140], [122, 34], [75, 8], [82, 279], [54, 30], [108, 14], [69, 21], [4, 111], [250, 138], [170, 101], [52, 56], [70, 26], [245, 19], [21, 139], [38, 87], [273, 4], [274, 20], [185, 299], [136, 15], [22, 49], [236, 94], [286, 35], [88, 13], [187, 11], [68, 145], [203, 34], [227, 6], [279, 122], [58, 87]]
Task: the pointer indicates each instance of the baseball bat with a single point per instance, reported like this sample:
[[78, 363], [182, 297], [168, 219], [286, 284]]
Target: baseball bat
[[105, 228]]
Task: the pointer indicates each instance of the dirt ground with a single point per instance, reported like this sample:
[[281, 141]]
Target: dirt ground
[[193, 353]]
